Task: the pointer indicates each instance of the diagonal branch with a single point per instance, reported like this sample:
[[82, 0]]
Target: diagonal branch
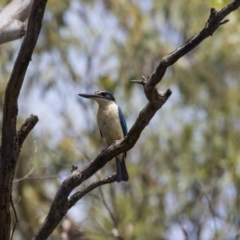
[[80, 194], [25, 129], [214, 22], [60, 204]]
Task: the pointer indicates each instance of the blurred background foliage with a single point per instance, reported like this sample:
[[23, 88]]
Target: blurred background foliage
[[184, 170]]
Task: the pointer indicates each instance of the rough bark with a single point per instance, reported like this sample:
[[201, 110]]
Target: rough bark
[[11, 141]]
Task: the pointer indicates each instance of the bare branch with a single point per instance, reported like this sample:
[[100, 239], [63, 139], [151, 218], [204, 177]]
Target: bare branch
[[74, 168], [224, 21], [60, 204], [143, 81], [26, 128], [114, 220], [213, 23], [14, 226], [11, 20], [185, 233], [9, 153], [79, 194], [16, 218], [11, 29], [24, 177]]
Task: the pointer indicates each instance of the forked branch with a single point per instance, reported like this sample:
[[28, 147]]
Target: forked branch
[[60, 204]]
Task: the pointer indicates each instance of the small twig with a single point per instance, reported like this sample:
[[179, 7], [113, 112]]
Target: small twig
[[14, 226], [79, 194], [14, 210], [224, 21], [37, 178], [22, 133], [24, 177], [138, 82], [213, 13], [212, 212], [25, 129], [32, 169], [79, 150], [16, 218], [143, 81], [185, 233], [203, 193], [115, 223], [74, 168], [167, 94]]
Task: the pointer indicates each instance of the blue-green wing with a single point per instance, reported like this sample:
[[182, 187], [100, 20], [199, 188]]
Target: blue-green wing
[[122, 121]]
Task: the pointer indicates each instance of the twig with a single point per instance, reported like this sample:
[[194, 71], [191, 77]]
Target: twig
[[185, 233], [24, 177], [114, 220], [25, 129], [213, 214], [224, 21], [39, 178], [22, 133], [16, 218], [14, 226], [143, 81], [14, 210], [74, 168], [31, 170], [203, 193]]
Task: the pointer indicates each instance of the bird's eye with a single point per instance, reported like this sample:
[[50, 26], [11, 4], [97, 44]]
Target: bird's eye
[[104, 94]]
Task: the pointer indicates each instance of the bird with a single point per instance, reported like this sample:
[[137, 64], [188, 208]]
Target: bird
[[112, 126]]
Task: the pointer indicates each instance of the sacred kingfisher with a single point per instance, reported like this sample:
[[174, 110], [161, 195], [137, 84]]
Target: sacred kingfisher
[[112, 126]]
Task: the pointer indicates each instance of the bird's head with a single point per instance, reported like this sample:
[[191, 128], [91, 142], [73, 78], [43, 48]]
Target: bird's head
[[101, 97]]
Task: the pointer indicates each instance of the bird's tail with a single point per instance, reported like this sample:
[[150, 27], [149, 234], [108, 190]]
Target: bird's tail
[[122, 173]]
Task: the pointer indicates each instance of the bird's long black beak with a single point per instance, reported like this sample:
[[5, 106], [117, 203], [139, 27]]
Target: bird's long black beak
[[88, 95]]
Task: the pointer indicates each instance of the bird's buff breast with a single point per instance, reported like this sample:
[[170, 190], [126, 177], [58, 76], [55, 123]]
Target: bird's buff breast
[[109, 124]]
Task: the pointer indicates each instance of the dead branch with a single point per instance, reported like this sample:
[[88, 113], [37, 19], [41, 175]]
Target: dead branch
[[9, 149], [60, 204], [12, 17]]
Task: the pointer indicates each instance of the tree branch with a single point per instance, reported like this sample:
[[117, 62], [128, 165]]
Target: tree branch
[[213, 23], [10, 110], [143, 81], [12, 17], [79, 194], [16, 217], [25, 129], [60, 204]]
